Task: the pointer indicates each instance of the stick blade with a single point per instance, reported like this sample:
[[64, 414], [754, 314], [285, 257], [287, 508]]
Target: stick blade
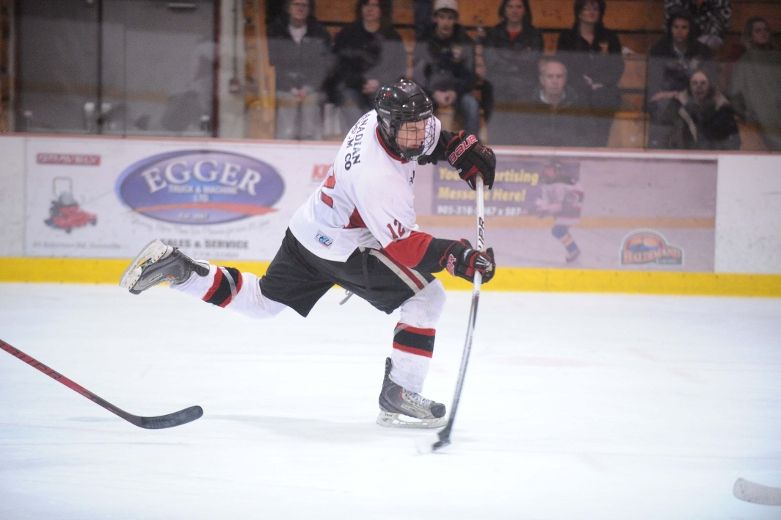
[[427, 445], [756, 493], [443, 437], [167, 421], [440, 444]]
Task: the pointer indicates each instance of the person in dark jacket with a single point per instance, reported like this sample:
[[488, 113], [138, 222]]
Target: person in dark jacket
[[671, 62], [300, 52], [701, 118], [553, 115], [512, 49], [710, 18], [755, 87], [369, 53], [593, 57], [444, 65]]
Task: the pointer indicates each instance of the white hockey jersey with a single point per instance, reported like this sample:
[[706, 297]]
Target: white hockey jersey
[[367, 199]]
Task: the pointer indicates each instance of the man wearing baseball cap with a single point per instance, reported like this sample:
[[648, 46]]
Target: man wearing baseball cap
[[445, 65], [446, 4]]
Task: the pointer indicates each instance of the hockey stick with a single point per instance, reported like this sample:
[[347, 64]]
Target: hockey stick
[[444, 433], [152, 423], [756, 493]]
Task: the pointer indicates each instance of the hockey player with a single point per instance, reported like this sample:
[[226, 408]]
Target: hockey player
[[358, 230], [562, 199]]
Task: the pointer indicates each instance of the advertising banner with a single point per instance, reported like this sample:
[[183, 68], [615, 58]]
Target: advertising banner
[[585, 211], [107, 198], [97, 198]]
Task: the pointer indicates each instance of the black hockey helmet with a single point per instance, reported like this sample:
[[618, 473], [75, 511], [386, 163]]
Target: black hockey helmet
[[400, 102]]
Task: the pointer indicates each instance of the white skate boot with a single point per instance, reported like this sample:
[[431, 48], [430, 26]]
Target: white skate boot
[[158, 263], [402, 408]]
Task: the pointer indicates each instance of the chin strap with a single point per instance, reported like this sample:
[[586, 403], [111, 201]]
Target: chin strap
[[388, 143]]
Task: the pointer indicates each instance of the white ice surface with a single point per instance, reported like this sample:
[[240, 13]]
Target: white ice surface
[[575, 407]]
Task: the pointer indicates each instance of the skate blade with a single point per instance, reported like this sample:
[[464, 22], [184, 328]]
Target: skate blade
[[395, 420], [152, 252]]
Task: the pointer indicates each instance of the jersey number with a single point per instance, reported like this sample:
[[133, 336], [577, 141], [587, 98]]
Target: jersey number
[[396, 229]]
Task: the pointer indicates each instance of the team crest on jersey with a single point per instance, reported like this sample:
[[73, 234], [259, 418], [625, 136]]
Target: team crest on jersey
[[324, 239], [647, 247]]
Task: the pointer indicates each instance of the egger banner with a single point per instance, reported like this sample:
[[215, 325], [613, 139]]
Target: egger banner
[[106, 198]]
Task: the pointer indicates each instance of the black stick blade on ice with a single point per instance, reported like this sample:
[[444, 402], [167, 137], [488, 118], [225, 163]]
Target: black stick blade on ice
[[151, 423], [443, 442]]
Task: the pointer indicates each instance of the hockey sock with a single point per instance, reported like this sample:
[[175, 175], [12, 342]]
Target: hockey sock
[[413, 338], [412, 350], [228, 287], [225, 287]]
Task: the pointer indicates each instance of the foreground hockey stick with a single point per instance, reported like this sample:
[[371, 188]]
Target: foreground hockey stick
[[756, 493], [153, 423], [444, 433]]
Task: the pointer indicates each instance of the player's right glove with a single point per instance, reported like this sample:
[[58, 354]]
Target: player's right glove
[[471, 158], [463, 261]]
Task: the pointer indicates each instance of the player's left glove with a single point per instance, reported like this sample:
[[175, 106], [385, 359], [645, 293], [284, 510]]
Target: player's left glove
[[470, 158], [461, 260]]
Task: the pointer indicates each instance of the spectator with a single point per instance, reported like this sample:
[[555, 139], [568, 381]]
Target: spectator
[[701, 118], [711, 18], [671, 61], [755, 89], [300, 51], [444, 65], [369, 53], [592, 54], [512, 49], [552, 116]]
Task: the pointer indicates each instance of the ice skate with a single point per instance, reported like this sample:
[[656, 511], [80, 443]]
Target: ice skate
[[158, 263], [402, 408], [573, 255]]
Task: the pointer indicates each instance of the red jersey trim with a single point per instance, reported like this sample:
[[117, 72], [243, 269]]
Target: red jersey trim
[[356, 221], [409, 251]]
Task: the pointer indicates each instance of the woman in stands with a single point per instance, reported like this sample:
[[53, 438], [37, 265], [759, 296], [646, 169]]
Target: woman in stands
[[592, 54], [701, 118], [671, 62]]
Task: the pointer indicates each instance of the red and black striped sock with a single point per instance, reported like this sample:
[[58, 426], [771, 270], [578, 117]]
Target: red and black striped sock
[[414, 340], [227, 284]]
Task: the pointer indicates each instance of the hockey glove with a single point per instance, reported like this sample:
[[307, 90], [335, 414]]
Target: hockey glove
[[461, 260], [470, 158]]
